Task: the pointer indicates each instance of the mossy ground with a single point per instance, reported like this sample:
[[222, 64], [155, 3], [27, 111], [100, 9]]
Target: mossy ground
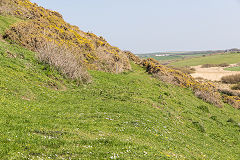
[[119, 116]]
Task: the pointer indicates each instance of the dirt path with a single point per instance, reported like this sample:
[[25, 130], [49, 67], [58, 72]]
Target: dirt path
[[213, 73]]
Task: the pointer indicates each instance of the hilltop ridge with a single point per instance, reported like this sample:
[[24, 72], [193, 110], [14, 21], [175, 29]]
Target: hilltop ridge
[[40, 26]]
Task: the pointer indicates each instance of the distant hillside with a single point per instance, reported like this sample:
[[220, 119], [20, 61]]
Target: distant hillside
[[165, 57]]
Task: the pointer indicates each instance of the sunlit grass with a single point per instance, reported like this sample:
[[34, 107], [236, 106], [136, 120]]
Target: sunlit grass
[[119, 116]]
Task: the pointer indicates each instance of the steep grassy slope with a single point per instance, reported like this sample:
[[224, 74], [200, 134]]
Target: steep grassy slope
[[125, 116], [229, 58]]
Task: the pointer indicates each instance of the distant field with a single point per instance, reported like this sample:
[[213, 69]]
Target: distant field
[[233, 68], [214, 59], [175, 56]]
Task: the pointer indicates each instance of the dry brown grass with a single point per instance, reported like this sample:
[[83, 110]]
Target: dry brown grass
[[63, 60], [231, 79]]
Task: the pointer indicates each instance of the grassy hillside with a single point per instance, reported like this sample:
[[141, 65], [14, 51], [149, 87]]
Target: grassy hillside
[[229, 58], [130, 115], [125, 116]]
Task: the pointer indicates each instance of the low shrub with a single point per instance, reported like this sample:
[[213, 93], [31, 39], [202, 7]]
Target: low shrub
[[133, 57], [223, 65], [232, 100], [186, 69], [231, 79], [208, 65], [62, 59], [236, 87], [215, 65]]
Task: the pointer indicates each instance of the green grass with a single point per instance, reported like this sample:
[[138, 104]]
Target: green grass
[[6, 21], [233, 68], [124, 116], [229, 58], [119, 116]]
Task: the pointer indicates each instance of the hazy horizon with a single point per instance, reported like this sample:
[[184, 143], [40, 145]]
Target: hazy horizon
[[148, 26]]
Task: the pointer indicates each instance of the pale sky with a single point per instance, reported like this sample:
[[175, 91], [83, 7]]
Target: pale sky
[[145, 26]]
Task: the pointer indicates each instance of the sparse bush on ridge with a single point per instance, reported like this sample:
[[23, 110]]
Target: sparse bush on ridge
[[133, 57], [231, 79]]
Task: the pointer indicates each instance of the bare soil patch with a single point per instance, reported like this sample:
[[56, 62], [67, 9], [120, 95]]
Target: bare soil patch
[[213, 73]]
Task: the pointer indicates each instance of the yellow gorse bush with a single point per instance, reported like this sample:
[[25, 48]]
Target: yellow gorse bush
[[205, 91], [40, 25]]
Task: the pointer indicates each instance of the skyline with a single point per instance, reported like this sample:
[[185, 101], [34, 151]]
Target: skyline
[[151, 26]]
